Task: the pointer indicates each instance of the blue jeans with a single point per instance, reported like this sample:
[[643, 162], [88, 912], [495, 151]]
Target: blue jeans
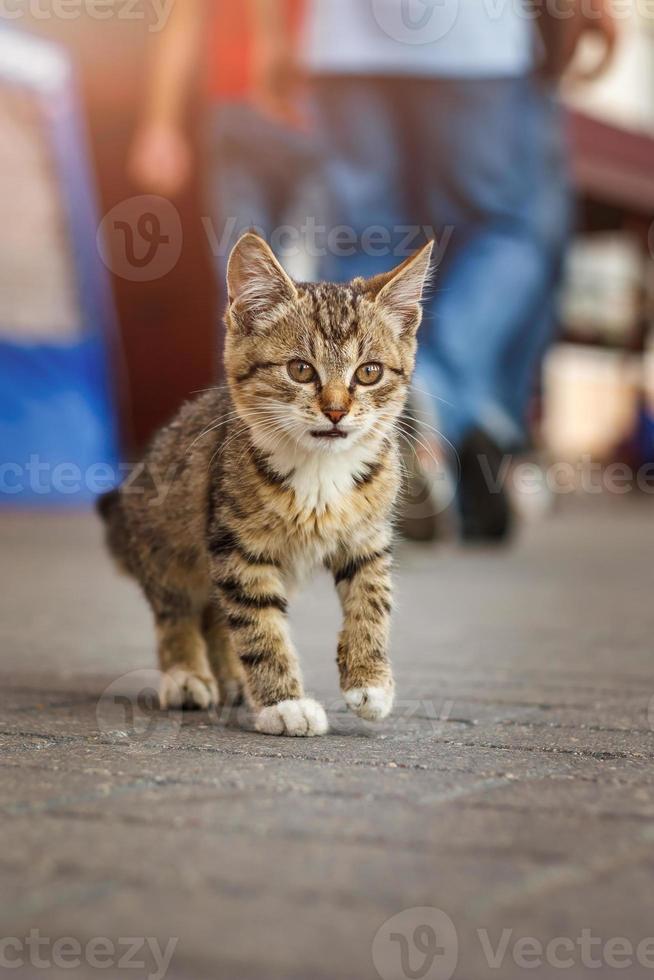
[[480, 165]]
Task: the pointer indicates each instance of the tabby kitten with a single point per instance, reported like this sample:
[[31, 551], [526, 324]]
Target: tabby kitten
[[294, 464]]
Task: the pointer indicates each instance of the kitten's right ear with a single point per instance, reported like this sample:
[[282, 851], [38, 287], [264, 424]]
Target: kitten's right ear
[[256, 284]]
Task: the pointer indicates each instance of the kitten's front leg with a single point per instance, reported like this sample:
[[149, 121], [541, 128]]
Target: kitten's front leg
[[363, 580], [254, 606]]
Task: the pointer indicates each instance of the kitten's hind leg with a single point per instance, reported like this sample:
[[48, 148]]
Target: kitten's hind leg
[[187, 680], [223, 659]]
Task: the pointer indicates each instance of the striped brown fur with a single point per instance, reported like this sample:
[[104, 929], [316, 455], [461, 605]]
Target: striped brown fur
[[243, 493]]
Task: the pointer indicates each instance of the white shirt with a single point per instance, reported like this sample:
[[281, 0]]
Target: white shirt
[[434, 38]]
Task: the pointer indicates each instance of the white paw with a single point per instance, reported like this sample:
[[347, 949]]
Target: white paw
[[181, 688], [371, 703], [302, 717]]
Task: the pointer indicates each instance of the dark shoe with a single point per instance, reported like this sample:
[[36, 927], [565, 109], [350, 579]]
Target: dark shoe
[[483, 501]]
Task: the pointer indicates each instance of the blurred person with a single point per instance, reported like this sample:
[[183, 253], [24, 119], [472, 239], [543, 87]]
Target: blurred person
[[256, 151], [437, 115]]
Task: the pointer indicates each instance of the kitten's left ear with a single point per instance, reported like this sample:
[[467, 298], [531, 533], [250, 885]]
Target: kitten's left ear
[[256, 283], [400, 291]]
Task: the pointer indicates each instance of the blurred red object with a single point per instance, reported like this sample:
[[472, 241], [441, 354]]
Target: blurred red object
[[231, 49]]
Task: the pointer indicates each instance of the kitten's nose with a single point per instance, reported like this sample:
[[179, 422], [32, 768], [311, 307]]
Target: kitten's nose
[[334, 414]]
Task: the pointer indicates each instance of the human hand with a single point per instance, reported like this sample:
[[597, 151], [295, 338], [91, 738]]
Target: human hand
[[160, 159], [276, 79]]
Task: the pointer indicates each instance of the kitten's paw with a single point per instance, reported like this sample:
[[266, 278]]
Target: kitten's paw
[[181, 688], [371, 703], [303, 717]]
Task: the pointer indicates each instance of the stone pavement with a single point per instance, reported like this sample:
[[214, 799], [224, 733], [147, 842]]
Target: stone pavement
[[512, 790]]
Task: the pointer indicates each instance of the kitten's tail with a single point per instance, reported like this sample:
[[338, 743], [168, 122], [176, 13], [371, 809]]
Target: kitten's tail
[[106, 505], [109, 509]]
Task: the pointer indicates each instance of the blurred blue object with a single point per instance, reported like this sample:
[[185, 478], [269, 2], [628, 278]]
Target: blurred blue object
[[644, 438], [58, 432]]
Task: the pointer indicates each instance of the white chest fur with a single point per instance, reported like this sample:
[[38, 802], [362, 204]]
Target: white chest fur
[[322, 510], [322, 481], [323, 484]]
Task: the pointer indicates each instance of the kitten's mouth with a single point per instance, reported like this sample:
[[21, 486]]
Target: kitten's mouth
[[329, 434]]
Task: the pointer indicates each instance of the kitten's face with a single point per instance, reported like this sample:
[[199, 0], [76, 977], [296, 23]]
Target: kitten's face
[[320, 366]]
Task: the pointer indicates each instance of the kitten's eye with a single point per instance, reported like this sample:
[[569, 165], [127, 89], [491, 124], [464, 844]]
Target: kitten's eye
[[369, 374], [301, 372]]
